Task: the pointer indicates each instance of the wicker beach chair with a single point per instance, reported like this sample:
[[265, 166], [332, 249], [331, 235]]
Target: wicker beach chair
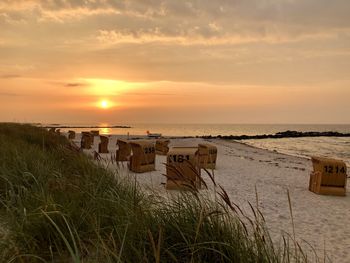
[[103, 145], [182, 170], [87, 140], [328, 177], [143, 156], [162, 146], [124, 151], [71, 135], [207, 156]]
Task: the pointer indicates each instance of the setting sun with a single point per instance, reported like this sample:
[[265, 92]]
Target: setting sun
[[104, 104]]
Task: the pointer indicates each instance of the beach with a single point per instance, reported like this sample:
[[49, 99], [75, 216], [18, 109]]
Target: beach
[[247, 173]]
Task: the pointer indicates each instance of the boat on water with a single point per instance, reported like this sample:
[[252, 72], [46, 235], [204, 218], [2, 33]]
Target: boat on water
[[154, 135]]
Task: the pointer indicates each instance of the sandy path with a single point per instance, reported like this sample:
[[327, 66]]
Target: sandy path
[[320, 220]]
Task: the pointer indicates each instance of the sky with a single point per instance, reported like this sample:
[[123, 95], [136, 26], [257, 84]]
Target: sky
[[174, 61]]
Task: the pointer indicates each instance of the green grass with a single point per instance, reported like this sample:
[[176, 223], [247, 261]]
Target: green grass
[[59, 206]]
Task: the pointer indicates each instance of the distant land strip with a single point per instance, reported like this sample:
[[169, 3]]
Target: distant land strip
[[86, 127], [279, 135]]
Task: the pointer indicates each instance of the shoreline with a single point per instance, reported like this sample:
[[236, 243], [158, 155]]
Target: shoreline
[[242, 141], [279, 135], [274, 151]]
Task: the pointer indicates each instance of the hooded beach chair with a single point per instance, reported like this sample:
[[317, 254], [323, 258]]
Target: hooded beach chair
[[103, 145], [328, 177], [162, 146], [143, 156], [124, 151], [71, 135], [87, 140], [207, 155], [182, 170]]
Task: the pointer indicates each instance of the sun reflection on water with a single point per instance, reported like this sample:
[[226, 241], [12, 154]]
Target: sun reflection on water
[[105, 131]]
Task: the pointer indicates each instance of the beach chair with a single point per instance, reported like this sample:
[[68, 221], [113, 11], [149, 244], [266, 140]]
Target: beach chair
[[87, 140], [182, 170], [71, 135], [92, 138], [162, 146], [143, 156], [95, 133], [328, 177], [124, 151], [207, 156], [103, 145]]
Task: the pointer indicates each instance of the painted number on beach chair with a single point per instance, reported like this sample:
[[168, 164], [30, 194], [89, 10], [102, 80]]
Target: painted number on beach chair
[[179, 158], [149, 150], [330, 169]]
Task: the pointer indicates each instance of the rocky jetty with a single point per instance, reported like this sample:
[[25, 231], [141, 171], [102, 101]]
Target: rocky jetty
[[279, 135]]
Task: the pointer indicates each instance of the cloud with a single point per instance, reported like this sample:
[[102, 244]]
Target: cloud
[[170, 40], [253, 14], [9, 94], [146, 93], [10, 76], [76, 84], [197, 36]]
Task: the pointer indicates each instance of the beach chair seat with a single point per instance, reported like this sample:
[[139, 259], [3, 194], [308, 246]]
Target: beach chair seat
[[124, 151], [329, 176], [182, 170], [162, 146], [103, 145], [207, 156], [143, 156]]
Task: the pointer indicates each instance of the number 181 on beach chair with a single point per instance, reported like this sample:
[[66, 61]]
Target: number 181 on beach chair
[[182, 170]]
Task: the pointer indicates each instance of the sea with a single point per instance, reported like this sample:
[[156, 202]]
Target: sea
[[332, 147]]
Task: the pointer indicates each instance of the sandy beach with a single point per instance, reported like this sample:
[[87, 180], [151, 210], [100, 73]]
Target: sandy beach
[[320, 221]]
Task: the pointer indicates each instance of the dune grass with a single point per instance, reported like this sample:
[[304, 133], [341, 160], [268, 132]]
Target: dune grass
[[57, 205]]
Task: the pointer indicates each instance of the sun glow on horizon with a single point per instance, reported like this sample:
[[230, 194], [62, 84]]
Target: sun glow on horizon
[[109, 87], [104, 104]]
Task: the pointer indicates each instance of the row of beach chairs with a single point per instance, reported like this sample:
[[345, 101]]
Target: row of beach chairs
[[184, 164]]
